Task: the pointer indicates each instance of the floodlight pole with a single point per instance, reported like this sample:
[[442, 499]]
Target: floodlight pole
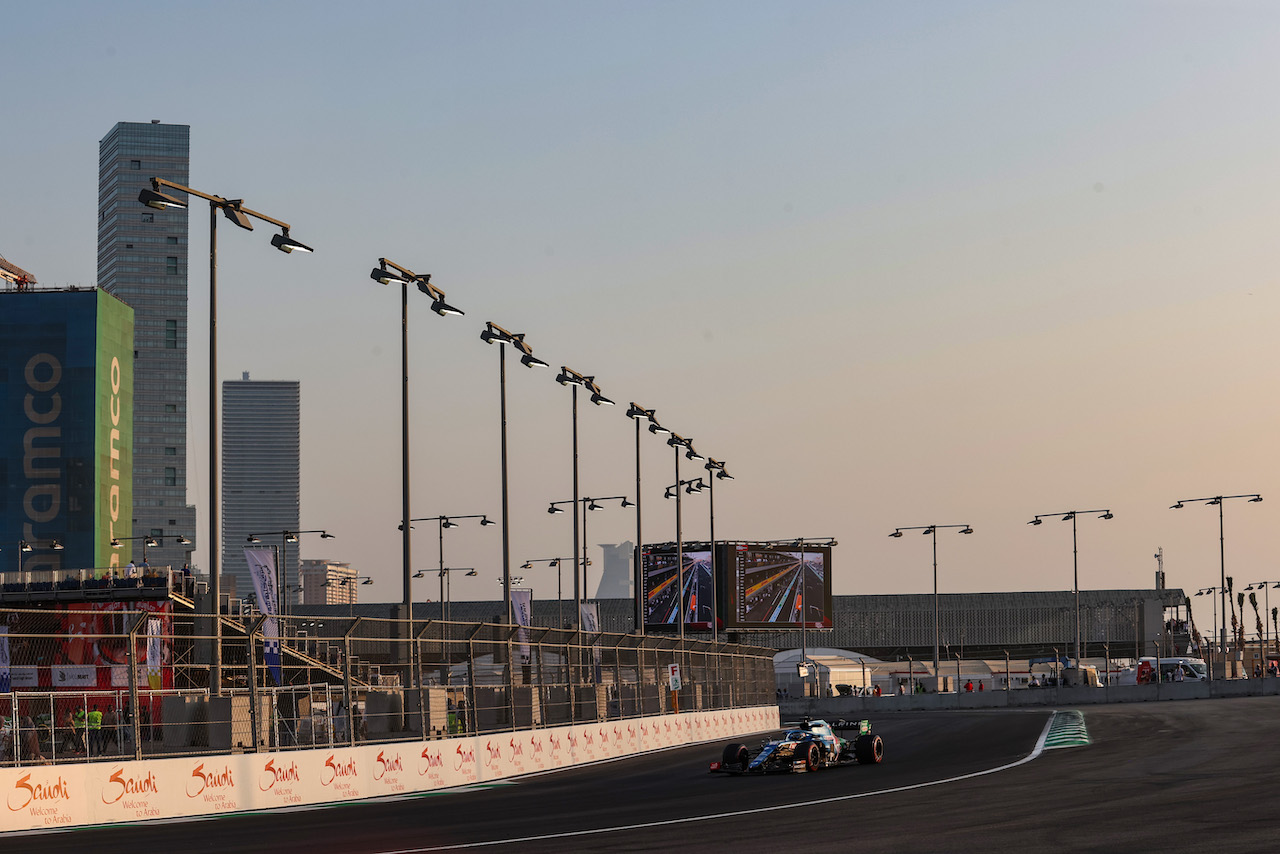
[[234, 209], [492, 332], [679, 546], [715, 471], [1253, 498], [932, 530], [404, 276], [637, 569], [407, 539], [1075, 558], [715, 604], [804, 623], [440, 526], [213, 511], [506, 529], [638, 413], [578, 594]]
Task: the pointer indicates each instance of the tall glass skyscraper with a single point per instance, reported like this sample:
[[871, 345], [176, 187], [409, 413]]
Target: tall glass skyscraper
[[260, 473], [142, 259]]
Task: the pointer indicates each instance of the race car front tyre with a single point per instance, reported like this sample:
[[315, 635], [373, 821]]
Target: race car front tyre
[[735, 754], [869, 749], [812, 758]]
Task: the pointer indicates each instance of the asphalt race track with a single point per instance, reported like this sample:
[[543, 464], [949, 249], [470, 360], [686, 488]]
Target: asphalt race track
[[1189, 775]]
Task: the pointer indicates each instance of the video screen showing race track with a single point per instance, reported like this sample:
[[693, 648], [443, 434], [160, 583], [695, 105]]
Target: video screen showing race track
[[779, 587], [662, 590]]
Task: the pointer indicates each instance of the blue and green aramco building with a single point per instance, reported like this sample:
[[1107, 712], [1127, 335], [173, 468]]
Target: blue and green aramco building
[[66, 430]]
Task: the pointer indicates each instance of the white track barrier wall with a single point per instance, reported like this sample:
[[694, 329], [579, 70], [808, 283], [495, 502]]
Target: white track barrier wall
[[46, 796]]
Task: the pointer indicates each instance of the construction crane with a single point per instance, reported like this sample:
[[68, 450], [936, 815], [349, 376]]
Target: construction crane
[[15, 274]]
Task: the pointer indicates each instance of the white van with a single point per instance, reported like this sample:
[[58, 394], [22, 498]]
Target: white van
[[1193, 669]]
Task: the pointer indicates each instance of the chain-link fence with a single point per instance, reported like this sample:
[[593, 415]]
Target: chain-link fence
[[107, 680]]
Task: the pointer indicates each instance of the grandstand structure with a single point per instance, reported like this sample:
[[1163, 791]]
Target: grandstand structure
[[896, 627]]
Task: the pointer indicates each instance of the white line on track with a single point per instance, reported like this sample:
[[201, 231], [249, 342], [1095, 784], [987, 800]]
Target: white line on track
[[569, 834]]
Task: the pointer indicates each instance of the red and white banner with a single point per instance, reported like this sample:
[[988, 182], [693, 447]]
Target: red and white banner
[[45, 796]]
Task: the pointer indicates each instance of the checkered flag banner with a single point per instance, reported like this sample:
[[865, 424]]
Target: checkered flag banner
[[262, 567]]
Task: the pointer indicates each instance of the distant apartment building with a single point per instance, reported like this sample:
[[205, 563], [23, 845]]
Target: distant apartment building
[[142, 260], [260, 473], [328, 582]]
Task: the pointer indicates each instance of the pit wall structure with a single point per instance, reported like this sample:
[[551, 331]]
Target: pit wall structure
[[103, 793]]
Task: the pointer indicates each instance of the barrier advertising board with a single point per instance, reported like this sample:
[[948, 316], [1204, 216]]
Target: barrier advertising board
[[49, 796]]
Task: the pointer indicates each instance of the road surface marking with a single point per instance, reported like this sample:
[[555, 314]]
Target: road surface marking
[[569, 834]]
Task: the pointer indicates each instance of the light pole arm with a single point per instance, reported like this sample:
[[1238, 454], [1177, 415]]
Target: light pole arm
[[220, 202]]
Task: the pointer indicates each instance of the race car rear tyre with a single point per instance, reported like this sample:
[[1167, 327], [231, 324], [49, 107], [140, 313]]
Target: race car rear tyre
[[869, 749], [735, 754], [812, 758]]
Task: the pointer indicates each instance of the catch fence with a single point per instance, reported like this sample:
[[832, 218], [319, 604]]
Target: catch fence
[[131, 680]]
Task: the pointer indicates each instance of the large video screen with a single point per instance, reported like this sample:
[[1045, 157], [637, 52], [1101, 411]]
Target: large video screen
[[777, 587], [662, 588]]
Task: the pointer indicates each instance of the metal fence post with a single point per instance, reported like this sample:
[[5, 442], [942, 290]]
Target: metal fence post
[[422, 695], [135, 709], [16, 751], [569, 652], [511, 681], [346, 682], [541, 686], [251, 679], [470, 720]]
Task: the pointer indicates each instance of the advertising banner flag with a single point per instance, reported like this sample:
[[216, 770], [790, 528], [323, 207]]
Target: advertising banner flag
[[5, 687], [155, 645], [522, 606], [589, 620], [24, 677], [262, 567]]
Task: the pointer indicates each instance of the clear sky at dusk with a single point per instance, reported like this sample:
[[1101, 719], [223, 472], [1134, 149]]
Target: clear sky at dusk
[[895, 264]]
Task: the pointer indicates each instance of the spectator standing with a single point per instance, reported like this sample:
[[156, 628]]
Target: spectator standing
[[95, 730], [31, 742], [70, 739], [110, 729], [77, 725]]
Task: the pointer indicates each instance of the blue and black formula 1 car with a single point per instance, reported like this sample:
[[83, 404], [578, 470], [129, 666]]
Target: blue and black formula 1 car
[[805, 746]]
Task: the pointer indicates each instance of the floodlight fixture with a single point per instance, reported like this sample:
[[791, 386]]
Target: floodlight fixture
[[287, 244], [231, 209], [160, 201]]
